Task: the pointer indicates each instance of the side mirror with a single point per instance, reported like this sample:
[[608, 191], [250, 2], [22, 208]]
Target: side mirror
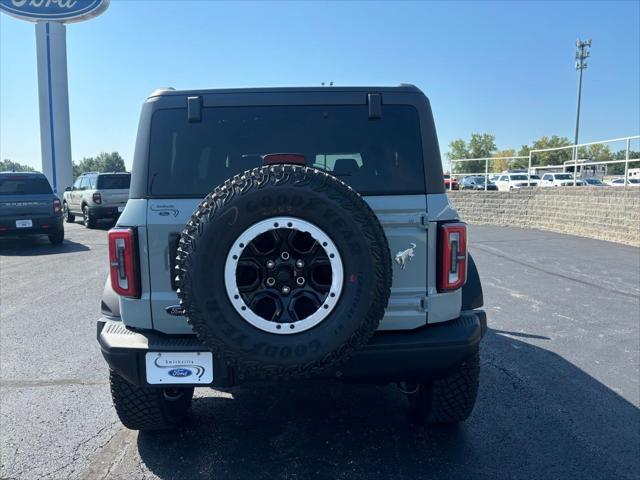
[[68, 189]]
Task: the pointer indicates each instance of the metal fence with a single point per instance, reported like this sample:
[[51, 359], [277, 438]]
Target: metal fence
[[576, 163]]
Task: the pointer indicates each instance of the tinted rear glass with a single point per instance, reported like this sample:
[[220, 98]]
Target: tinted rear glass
[[375, 157], [113, 182], [24, 185]]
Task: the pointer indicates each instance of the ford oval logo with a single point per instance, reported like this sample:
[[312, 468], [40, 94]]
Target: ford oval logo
[[179, 372], [64, 11]]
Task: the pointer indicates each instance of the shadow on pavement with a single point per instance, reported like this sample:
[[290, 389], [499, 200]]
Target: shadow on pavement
[[537, 416], [101, 224], [36, 245]]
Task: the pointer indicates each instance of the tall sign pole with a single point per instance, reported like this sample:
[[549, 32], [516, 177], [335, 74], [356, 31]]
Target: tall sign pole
[[53, 96], [582, 53], [50, 17]]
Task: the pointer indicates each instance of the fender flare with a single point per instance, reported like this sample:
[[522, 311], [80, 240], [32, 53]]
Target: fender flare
[[472, 296]]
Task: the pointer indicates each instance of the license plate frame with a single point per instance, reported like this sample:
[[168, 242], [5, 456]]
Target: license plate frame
[[27, 223], [191, 368]]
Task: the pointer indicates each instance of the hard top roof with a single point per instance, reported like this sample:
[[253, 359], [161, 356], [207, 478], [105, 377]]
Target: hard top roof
[[404, 87], [12, 173]]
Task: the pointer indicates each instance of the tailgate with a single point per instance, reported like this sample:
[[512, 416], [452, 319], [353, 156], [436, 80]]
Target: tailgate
[[26, 205], [402, 217], [114, 198]]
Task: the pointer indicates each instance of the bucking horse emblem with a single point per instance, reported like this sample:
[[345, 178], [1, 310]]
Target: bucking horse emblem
[[405, 255]]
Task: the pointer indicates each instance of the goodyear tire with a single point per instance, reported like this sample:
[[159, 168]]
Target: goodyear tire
[[283, 271]]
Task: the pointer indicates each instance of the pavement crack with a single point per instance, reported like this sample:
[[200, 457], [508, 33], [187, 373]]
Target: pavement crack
[[75, 454], [491, 251], [48, 383], [516, 381], [112, 453]]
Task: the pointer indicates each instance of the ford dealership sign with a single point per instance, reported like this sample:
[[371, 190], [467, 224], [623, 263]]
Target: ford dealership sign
[[63, 11]]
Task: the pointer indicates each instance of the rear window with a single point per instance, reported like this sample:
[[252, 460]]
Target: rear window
[[113, 182], [24, 185], [376, 157]]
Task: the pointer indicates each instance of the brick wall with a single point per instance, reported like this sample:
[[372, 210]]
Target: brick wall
[[605, 213]]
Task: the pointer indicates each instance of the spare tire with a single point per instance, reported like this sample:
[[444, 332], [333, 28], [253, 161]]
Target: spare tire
[[283, 271]]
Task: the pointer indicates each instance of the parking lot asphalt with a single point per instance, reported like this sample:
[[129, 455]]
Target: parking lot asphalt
[[559, 393]]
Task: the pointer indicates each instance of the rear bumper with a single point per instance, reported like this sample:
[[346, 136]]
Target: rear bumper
[[428, 352], [42, 225], [104, 211]]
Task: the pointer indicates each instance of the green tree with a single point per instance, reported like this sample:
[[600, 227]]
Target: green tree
[[103, 162], [480, 145], [595, 153], [501, 162], [556, 157], [7, 165], [618, 168]]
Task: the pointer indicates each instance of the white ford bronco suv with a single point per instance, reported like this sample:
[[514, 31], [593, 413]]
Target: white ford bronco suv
[[287, 234]]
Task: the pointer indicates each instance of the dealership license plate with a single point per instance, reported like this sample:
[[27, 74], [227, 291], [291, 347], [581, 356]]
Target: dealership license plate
[[120, 209], [179, 367], [24, 223]]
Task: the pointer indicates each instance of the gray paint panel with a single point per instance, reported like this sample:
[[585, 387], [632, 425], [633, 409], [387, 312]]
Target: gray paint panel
[[402, 217]]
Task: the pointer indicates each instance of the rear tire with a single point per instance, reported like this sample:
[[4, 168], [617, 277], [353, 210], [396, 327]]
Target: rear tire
[[57, 238], [149, 409], [89, 221], [68, 216], [450, 399]]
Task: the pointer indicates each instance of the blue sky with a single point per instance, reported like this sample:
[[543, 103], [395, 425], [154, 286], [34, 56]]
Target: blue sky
[[505, 68]]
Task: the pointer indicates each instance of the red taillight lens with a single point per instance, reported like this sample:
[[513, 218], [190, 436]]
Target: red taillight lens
[[452, 256], [97, 198], [123, 262], [57, 206]]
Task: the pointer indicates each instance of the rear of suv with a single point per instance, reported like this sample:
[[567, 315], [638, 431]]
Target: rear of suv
[[286, 234], [96, 196], [28, 206]]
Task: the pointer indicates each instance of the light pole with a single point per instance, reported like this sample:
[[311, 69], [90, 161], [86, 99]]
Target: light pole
[[582, 53]]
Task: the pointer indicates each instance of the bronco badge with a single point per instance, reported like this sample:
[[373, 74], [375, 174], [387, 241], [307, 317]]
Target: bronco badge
[[405, 255]]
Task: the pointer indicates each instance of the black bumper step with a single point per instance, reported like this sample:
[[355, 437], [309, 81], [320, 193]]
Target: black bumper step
[[426, 352]]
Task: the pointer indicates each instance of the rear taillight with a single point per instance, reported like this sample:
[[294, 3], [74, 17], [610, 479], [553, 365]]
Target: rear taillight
[[97, 198], [123, 262], [452, 256], [57, 206]]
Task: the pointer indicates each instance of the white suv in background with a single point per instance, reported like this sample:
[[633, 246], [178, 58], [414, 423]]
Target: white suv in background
[[559, 180], [95, 196], [509, 181]]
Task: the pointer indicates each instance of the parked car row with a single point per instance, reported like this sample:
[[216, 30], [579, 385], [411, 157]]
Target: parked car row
[[28, 205], [511, 181], [619, 182]]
